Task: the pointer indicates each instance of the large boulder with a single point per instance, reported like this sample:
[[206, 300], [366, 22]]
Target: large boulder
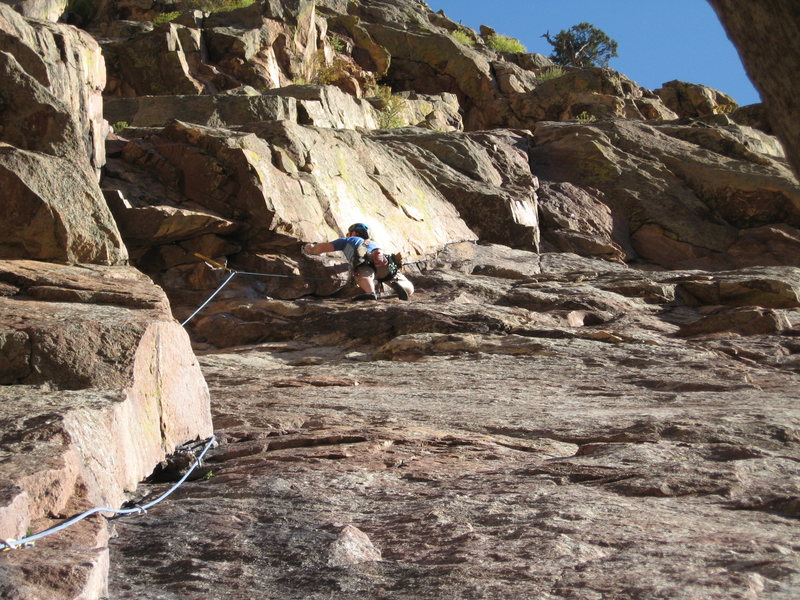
[[694, 100], [99, 383], [157, 62], [57, 60], [54, 210], [52, 144]]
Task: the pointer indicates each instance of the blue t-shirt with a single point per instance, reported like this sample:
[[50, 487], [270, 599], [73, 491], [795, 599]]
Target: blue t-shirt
[[348, 245]]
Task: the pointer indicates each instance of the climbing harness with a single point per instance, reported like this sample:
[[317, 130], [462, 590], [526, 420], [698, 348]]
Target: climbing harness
[[26, 542]]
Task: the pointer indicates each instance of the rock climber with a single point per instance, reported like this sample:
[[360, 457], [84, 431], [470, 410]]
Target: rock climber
[[368, 262]]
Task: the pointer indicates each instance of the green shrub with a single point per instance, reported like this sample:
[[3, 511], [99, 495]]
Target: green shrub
[[550, 73], [165, 18], [503, 43], [317, 72], [337, 43], [463, 37], [328, 74], [119, 126], [585, 117], [211, 6], [390, 113]]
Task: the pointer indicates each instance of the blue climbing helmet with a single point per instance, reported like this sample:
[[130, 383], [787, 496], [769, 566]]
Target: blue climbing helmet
[[360, 230]]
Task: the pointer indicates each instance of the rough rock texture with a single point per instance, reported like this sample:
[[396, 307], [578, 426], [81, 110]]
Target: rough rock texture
[[415, 49], [405, 45], [52, 80], [586, 94], [598, 292], [216, 110], [54, 211], [99, 383], [577, 221], [264, 45], [694, 100], [438, 112], [52, 144], [320, 106], [768, 38], [488, 450], [44, 10], [680, 196], [673, 194], [485, 175], [528, 425], [267, 187]]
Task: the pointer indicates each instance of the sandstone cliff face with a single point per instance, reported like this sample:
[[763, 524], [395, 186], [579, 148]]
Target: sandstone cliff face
[[686, 196], [607, 308], [98, 381], [721, 169], [53, 145]]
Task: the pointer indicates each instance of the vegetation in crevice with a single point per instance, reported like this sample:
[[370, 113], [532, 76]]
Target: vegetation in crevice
[[549, 73], [463, 37], [212, 6], [390, 108], [503, 43]]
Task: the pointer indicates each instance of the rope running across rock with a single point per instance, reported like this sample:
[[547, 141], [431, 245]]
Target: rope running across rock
[[11, 544], [28, 541]]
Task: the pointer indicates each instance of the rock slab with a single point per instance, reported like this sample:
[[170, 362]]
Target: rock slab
[[99, 384]]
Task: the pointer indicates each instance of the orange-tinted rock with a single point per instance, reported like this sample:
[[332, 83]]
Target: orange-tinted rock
[[99, 383]]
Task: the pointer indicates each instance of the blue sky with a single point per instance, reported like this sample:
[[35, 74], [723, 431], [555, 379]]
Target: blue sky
[[659, 40]]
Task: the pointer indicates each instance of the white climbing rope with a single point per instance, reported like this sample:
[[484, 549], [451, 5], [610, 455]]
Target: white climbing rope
[[232, 275], [203, 305], [11, 544]]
